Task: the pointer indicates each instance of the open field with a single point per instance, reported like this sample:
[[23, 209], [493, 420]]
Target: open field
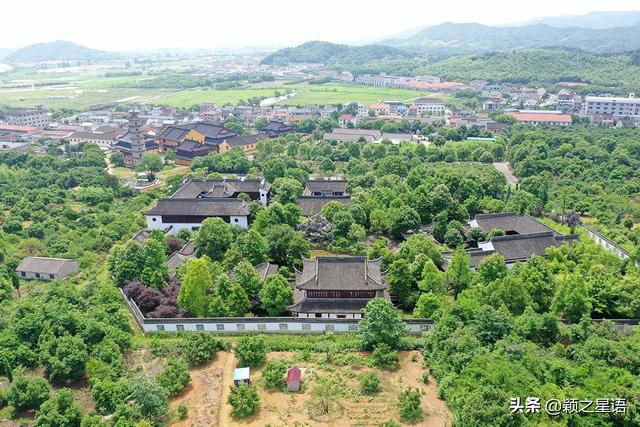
[[206, 396], [82, 87]]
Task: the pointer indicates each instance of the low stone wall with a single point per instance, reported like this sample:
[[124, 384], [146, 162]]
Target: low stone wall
[[239, 325]]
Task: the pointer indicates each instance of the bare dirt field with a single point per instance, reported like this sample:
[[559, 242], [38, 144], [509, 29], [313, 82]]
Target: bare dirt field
[[206, 396]]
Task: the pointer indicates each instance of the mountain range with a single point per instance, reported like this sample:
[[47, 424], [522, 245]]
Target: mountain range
[[59, 50], [477, 38]]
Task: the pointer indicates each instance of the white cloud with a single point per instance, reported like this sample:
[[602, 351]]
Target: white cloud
[[140, 24]]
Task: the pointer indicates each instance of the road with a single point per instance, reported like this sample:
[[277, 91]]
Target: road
[[504, 169]]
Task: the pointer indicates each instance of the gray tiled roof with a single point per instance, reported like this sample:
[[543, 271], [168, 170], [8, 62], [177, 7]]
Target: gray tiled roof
[[266, 269], [239, 141], [200, 207], [340, 273], [219, 187], [325, 186], [34, 264], [312, 205], [517, 247], [509, 222]]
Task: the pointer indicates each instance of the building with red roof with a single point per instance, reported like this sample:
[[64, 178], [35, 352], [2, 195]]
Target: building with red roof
[[541, 117]]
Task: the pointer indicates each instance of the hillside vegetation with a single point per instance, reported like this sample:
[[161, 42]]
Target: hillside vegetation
[[542, 66], [474, 38], [59, 50], [333, 54]]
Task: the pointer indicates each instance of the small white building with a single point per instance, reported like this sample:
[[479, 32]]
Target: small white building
[[43, 268]]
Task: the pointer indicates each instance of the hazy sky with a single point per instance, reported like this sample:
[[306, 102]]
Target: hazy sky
[[141, 24]]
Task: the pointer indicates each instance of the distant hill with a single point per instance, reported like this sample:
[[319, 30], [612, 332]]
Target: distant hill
[[598, 20], [616, 72], [333, 54], [475, 38], [4, 52], [57, 51]]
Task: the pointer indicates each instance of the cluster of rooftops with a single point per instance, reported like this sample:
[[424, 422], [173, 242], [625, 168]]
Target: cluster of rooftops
[[334, 287]]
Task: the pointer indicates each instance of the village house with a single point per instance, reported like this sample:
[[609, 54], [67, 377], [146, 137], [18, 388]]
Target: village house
[[104, 137], [337, 287], [541, 117], [380, 108], [429, 106], [275, 128], [347, 119], [43, 268], [353, 135]]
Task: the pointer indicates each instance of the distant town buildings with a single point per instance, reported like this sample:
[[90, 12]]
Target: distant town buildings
[[36, 117], [541, 117], [614, 107]]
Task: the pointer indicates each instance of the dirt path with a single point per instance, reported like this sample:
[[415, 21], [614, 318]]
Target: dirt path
[[204, 395], [505, 169]]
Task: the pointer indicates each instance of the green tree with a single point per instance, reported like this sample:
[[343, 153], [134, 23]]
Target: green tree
[[275, 295], [432, 279], [169, 156], [245, 401], [287, 190], [251, 351], [27, 392], [59, 411], [253, 246], [492, 268], [196, 286], [174, 377], [430, 305], [381, 323], [459, 274], [273, 374], [237, 301], [199, 348], [403, 219], [384, 356], [409, 404], [155, 269], [213, 238], [149, 398], [117, 159], [247, 277], [64, 357], [571, 299], [369, 383], [150, 163], [286, 246]]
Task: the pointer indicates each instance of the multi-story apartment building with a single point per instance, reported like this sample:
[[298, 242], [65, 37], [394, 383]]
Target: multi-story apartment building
[[613, 106], [27, 117], [429, 106]]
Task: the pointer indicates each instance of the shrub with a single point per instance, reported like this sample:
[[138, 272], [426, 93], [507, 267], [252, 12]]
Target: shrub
[[273, 374], [369, 383], [200, 348], [425, 378], [28, 392], [245, 401], [175, 376], [409, 404], [251, 351], [59, 410], [183, 411], [385, 357]]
